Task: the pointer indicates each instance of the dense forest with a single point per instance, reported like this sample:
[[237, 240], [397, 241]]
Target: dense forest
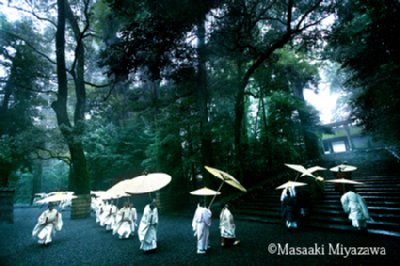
[[95, 91]]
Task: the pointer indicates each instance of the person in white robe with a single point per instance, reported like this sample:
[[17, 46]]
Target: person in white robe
[[357, 208], [110, 220], [147, 231], [200, 224], [107, 217], [98, 208], [125, 222], [227, 228], [104, 212], [48, 223]]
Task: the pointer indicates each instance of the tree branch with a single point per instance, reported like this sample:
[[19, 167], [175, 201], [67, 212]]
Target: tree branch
[[33, 14], [97, 86], [30, 46]]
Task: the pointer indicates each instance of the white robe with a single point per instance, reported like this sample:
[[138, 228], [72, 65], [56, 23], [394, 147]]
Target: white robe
[[147, 231], [98, 208], [107, 218], [226, 224], [49, 222], [125, 222], [104, 213], [200, 225], [356, 207]]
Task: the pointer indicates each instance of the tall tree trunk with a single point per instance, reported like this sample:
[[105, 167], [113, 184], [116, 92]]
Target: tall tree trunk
[[268, 151], [79, 177], [80, 180], [203, 100]]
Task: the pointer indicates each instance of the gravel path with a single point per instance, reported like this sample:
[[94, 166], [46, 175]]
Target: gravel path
[[83, 242]]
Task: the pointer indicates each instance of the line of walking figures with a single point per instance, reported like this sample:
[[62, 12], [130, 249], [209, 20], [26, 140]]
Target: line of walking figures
[[352, 203], [123, 222]]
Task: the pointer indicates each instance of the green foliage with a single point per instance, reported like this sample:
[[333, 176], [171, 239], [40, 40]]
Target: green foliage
[[112, 152], [365, 42], [19, 103], [284, 126], [170, 98], [153, 36]]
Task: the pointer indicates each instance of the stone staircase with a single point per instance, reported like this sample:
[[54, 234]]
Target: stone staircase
[[382, 194]]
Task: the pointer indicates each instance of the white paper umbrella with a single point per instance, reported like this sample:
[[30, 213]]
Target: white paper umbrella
[[60, 193], [343, 168], [147, 183], [226, 178], [344, 181], [205, 191], [42, 194], [57, 197], [299, 168], [291, 184], [314, 169], [118, 190]]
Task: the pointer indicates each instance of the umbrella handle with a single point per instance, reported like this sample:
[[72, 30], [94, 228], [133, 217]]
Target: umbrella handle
[[212, 200]]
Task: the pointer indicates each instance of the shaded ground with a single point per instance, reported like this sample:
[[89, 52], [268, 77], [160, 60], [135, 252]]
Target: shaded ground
[[83, 242]]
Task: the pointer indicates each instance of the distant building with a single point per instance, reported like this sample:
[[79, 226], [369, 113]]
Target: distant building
[[345, 137]]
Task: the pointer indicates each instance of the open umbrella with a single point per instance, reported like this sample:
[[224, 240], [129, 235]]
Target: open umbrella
[[291, 184], [305, 172], [59, 193], [344, 181], [226, 178], [147, 183], [119, 189], [314, 169], [205, 191], [57, 197], [343, 168], [299, 168]]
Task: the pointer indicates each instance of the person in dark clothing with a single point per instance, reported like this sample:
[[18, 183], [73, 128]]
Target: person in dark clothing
[[289, 208]]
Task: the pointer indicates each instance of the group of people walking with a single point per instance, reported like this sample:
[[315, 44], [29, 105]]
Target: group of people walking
[[352, 203], [122, 222], [202, 221]]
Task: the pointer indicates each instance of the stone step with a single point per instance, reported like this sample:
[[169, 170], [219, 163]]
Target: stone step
[[382, 194], [325, 213]]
